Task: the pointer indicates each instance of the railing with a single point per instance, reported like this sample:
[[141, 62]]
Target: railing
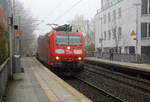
[[121, 57], [4, 73]]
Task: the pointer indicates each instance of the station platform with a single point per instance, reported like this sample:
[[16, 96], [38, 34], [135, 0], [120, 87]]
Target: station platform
[[38, 84], [132, 66]]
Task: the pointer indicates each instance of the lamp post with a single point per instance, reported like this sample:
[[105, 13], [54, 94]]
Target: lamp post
[[101, 41], [11, 37], [138, 35]]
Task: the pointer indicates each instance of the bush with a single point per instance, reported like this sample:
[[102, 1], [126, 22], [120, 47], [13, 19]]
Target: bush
[[3, 44], [90, 48]]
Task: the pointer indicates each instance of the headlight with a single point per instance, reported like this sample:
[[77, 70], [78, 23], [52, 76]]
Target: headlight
[[57, 58], [79, 58], [68, 47], [60, 51], [77, 51]]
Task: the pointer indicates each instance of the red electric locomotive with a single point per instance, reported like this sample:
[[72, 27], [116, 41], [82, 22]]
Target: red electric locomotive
[[63, 50]]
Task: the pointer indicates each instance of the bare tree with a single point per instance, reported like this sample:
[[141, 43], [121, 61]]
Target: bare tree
[[83, 25], [90, 34], [125, 41], [115, 35], [120, 38], [116, 28], [79, 23], [27, 24]]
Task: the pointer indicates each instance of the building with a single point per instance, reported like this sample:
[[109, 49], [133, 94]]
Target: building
[[123, 24]]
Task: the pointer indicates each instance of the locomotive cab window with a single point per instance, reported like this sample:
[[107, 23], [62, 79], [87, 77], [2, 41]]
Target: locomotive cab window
[[62, 40], [68, 39], [74, 40]]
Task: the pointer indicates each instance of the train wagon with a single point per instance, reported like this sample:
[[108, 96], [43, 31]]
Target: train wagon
[[63, 50]]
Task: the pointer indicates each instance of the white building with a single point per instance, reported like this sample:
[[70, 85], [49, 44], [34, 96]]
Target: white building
[[117, 20]]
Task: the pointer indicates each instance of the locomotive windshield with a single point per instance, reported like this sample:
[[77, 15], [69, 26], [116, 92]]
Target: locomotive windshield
[[62, 39], [74, 40], [68, 40]]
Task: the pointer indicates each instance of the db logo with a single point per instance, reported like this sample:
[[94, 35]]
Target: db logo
[[68, 52]]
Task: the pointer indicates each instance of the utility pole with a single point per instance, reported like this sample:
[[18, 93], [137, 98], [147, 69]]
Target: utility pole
[[101, 39], [11, 37], [13, 30], [138, 35], [88, 33], [20, 36]]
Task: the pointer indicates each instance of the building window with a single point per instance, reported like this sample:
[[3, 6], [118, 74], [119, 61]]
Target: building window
[[145, 6], [149, 6], [108, 3], [145, 30], [126, 50], [114, 33], [114, 15], [104, 19], [119, 32], [105, 35], [109, 17], [131, 50], [100, 40], [119, 12], [148, 30], [109, 34]]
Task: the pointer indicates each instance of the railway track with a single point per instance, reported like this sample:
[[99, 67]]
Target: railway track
[[91, 91], [125, 87], [106, 94], [136, 83]]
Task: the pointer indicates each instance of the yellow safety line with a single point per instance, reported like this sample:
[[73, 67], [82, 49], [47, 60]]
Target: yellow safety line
[[73, 91], [51, 96]]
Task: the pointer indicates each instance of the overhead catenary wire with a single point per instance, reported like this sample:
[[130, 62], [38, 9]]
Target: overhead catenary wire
[[51, 12], [55, 8], [68, 10]]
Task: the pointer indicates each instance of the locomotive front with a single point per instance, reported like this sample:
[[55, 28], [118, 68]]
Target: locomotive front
[[69, 51]]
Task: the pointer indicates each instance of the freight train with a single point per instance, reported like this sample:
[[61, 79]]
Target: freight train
[[62, 50]]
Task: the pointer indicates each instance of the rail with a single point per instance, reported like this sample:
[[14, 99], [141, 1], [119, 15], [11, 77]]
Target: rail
[[4, 73], [115, 98]]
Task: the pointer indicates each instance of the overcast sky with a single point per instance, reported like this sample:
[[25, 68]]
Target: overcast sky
[[52, 11]]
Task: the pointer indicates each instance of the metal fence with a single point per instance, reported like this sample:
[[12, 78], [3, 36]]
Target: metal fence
[[4, 74], [121, 57]]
